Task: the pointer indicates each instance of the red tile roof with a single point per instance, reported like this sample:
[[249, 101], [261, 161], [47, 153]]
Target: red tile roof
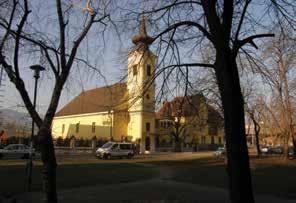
[[188, 106], [95, 100]]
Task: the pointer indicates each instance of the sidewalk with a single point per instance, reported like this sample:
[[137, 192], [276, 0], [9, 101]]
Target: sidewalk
[[146, 191]]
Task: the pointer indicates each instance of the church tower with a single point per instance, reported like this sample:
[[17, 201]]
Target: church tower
[[141, 90]]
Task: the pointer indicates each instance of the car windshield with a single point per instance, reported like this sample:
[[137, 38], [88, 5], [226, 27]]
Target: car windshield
[[11, 147], [107, 145]]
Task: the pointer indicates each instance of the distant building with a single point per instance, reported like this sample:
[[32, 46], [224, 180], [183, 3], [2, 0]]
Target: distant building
[[196, 122], [126, 111]]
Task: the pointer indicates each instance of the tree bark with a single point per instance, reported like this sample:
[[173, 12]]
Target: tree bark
[[294, 145], [49, 164], [257, 131], [178, 145], [237, 152]]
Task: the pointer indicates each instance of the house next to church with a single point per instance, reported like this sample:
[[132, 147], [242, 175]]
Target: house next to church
[[126, 111]]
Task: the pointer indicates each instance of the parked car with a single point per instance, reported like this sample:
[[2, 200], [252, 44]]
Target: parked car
[[292, 154], [219, 152], [265, 149], [16, 151], [115, 149], [276, 150], [272, 150]]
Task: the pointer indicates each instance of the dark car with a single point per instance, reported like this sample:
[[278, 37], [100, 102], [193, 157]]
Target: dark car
[[276, 150]]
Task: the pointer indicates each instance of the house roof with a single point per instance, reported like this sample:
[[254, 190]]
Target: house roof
[[188, 106], [96, 100]]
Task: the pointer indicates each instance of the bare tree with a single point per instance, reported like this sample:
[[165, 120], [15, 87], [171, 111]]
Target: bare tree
[[227, 27], [20, 36], [279, 68], [254, 113]]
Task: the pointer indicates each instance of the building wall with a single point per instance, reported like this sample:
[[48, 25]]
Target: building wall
[[104, 126], [196, 132]]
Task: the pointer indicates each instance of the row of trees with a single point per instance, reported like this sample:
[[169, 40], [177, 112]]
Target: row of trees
[[273, 114], [184, 32]]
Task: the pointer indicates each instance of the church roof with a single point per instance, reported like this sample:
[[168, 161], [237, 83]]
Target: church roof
[[96, 100]]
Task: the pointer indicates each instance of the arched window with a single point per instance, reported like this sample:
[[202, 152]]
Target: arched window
[[148, 68], [135, 70], [147, 96], [77, 127], [93, 127]]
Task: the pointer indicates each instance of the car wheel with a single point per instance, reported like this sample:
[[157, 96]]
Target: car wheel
[[25, 156], [107, 156], [129, 156]]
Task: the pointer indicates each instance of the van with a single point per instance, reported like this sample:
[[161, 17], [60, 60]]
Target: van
[[115, 149]]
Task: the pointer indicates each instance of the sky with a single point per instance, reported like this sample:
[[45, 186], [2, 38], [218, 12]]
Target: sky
[[110, 57]]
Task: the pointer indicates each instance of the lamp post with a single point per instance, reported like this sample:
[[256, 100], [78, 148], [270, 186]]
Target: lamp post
[[37, 69]]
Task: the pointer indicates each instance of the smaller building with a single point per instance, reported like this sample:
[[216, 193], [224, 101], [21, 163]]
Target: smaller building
[[191, 121]]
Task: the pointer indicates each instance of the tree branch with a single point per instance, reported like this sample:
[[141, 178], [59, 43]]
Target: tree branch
[[19, 84], [17, 39], [186, 23], [241, 19], [240, 43], [62, 33]]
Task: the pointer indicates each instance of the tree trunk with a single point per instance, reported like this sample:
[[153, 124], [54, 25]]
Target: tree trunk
[[257, 131], [178, 145], [237, 152], [286, 136], [49, 164], [258, 145], [294, 145]]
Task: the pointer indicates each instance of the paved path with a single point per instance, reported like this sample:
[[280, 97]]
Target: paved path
[[159, 190]]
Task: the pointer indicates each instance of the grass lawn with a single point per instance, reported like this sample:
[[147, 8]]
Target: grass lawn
[[271, 176], [70, 176]]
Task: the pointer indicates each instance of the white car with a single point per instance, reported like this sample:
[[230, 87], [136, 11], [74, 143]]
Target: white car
[[219, 152], [115, 149], [16, 151]]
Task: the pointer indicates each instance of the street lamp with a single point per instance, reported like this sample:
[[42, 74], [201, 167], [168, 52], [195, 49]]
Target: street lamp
[[37, 69]]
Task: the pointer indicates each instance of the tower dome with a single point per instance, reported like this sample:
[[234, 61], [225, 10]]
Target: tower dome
[[142, 40]]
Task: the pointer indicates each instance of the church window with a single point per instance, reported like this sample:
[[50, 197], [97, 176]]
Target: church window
[[77, 127], [147, 96], [148, 70], [147, 127], [220, 140], [135, 70], [203, 140], [93, 127], [63, 128]]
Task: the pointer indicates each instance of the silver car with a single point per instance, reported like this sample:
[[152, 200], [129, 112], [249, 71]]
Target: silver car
[[16, 151], [115, 149]]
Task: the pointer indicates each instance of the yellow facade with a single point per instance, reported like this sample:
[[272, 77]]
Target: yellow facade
[[103, 125], [141, 91]]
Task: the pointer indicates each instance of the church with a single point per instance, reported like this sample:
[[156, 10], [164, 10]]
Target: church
[[126, 111]]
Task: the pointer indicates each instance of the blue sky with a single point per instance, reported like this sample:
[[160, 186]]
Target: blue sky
[[110, 57]]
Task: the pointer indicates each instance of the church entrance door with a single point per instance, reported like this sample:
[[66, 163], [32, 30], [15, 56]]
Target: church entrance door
[[147, 143]]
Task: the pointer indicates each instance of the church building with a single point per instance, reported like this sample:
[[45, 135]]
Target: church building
[[122, 111]]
